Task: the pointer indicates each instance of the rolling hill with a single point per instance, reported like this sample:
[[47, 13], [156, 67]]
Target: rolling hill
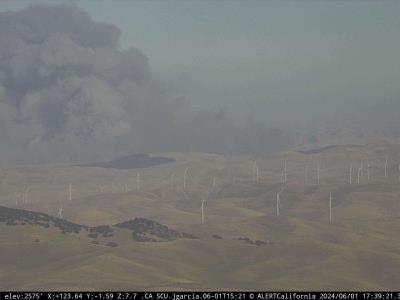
[[243, 244]]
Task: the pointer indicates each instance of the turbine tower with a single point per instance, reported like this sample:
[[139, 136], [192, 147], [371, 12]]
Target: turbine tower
[[138, 181], [26, 193], [330, 207], [172, 180], [399, 171], [213, 182], [318, 174], [184, 178], [359, 173], [284, 172], [306, 174], [70, 192], [17, 196], [278, 202], [350, 173], [386, 166], [203, 201], [60, 210], [368, 171], [255, 172]]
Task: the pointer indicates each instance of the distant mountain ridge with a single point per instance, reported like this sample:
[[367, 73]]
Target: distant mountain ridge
[[328, 147], [132, 162]]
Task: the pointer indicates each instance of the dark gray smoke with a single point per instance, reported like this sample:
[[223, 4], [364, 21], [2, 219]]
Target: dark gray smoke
[[65, 82], [68, 92]]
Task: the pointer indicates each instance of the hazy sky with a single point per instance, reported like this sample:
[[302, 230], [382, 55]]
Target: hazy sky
[[260, 52], [288, 64]]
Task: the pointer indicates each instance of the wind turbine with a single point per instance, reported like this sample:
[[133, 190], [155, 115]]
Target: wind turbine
[[368, 171], [284, 172], [399, 171], [138, 181], [330, 207], [255, 172], [351, 172], [18, 196], [25, 195], [306, 174], [60, 210], [184, 178], [203, 201], [172, 180], [278, 201], [318, 173], [70, 192], [386, 166], [112, 188], [359, 173], [213, 182]]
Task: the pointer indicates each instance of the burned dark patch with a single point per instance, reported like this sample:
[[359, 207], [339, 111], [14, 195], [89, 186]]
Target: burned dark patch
[[144, 230], [12, 216], [112, 244], [251, 242], [103, 230]]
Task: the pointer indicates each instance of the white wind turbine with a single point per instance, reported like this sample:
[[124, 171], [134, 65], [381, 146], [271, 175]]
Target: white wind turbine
[[255, 172], [368, 171], [330, 207], [399, 171], [26, 194], [359, 173], [278, 202], [60, 211], [138, 181], [70, 192], [386, 166], [17, 197], [184, 178], [350, 172], [284, 172], [172, 180], [203, 201], [306, 174], [214, 182]]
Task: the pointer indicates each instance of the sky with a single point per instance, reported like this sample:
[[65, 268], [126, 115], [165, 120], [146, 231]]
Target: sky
[[288, 64], [260, 51]]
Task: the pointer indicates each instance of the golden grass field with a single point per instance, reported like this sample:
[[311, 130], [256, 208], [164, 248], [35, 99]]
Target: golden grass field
[[360, 250]]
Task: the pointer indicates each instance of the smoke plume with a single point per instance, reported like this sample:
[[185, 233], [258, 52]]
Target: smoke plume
[[70, 93], [65, 82]]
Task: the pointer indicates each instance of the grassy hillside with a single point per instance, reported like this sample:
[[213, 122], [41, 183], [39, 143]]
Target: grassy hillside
[[243, 243]]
